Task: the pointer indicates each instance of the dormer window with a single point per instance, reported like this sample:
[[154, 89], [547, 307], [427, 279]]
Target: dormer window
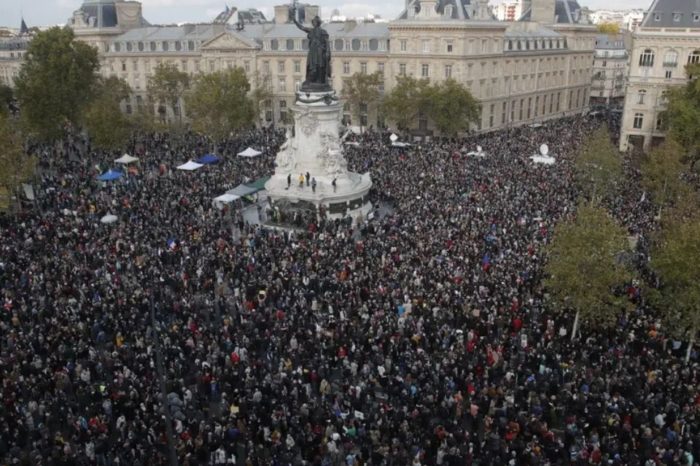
[[657, 17], [677, 17], [448, 11], [696, 17]]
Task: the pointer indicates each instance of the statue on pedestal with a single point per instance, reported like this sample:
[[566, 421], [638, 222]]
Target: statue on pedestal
[[318, 60]]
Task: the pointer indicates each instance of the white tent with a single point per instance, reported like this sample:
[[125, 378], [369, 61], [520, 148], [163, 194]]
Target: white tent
[[226, 198], [126, 159], [249, 152], [190, 165], [478, 153], [543, 159], [400, 144], [109, 218]]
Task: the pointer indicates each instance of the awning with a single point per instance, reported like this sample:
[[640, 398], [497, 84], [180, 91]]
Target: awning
[[242, 190], [400, 144], [259, 184], [543, 159], [208, 159], [126, 159], [249, 152], [226, 198], [110, 175], [190, 165], [109, 218]]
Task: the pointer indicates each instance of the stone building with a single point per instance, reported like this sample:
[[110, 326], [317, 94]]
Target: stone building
[[610, 65], [667, 40], [12, 50]]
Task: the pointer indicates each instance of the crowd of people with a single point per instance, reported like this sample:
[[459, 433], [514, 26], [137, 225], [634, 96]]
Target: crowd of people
[[421, 337]]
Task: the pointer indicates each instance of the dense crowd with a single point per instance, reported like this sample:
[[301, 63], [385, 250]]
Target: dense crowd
[[420, 337]]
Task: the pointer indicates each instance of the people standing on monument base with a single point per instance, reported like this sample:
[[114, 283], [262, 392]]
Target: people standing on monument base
[[421, 337]]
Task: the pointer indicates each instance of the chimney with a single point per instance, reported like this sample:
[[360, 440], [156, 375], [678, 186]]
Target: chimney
[[428, 9], [311, 11], [128, 14], [282, 14], [542, 11]]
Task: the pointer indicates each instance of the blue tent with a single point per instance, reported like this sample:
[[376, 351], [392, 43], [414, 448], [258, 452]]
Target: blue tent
[[208, 159], [110, 175]]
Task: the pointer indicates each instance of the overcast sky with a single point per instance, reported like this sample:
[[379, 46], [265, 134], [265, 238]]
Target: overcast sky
[[50, 12]]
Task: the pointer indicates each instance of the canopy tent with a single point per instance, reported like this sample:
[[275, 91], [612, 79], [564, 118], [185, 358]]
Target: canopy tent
[[249, 152], [109, 218], [126, 159], [242, 190], [543, 159], [208, 159], [226, 198], [259, 184], [110, 175], [479, 152], [400, 144], [190, 165]]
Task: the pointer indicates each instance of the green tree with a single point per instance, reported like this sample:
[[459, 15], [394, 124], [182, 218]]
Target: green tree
[[219, 103], [675, 257], [6, 96], [662, 171], [683, 113], [361, 92], [407, 100], [609, 28], [166, 86], [107, 126], [598, 166], [55, 81], [583, 267], [15, 166], [452, 107]]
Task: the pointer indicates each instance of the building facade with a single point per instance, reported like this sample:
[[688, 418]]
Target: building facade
[[666, 41], [12, 50], [610, 64], [525, 71]]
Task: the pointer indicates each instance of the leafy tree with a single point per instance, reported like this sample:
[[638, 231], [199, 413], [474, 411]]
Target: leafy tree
[[15, 166], [6, 96], [409, 98], [662, 171], [583, 267], [675, 257], [107, 126], [609, 28], [452, 107], [362, 90], [599, 166], [219, 103], [166, 86], [55, 81], [261, 93], [683, 113]]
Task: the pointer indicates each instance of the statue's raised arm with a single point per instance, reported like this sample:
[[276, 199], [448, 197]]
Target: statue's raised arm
[[318, 60], [299, 25]]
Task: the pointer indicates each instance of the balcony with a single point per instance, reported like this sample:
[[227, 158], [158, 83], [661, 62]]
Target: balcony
[[670, 64]]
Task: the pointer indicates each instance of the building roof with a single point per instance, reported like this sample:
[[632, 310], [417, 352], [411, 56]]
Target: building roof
[[446, 9], [349, 29], [101, 13], [167, 33], [539, 32], [673, 14], [565, 12], [609, 42]]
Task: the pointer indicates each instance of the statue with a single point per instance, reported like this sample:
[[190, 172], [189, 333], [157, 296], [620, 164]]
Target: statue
[[318, 60], [284, 156]]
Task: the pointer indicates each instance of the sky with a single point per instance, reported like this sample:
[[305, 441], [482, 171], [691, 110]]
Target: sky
[[52, 12]]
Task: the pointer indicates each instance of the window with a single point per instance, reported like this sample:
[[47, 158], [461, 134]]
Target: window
[[503, 114], [426, 46], [659, 123], [184, 65], [135, 65], [290, 44], [449, 47], [404, 44], [638, 120], [117, 47], [140, 46], [677, 17], [190, 45], [280, 67], [266, 67], [694, 58], [529, 107], [297, 66], [646, 58], [510, 45], [274, 44], [671, 58], [448, 71], [178, 46], [123, 66], [402, 69], [380, 68], [153, 47], [305, 44], [696, 17], [640, 96], [346, 67], [165, 46], [282, 84], [605, 63], [425, 70], [520, 109], [363, 67], [356, 44], [338, 44], [373, 45], [246, 66], [657, 17]]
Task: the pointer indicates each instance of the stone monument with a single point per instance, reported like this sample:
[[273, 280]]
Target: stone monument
[[310, 166]]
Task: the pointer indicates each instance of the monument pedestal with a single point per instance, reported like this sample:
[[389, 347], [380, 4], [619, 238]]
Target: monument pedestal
[[315, 149]]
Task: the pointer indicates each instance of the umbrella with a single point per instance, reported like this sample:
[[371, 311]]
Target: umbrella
[[249, 152], [126, 159], [208, 159], [189, 166], [110, 175], [109, 218]]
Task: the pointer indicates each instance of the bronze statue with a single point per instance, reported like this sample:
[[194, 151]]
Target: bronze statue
[[318, 60]]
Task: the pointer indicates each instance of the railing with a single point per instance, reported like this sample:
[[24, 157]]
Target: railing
[[670, 64]]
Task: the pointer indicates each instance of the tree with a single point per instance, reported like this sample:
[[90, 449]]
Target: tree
[[6, 96], [107, 126], [15, 166], [407, 100], [609, 28], [598, 166], [55, 81], [261, 93], [675, 257], [166, 86], [361, 91], [452, 107], [219, 103], [583, 267], [662, 171], [683, 113]]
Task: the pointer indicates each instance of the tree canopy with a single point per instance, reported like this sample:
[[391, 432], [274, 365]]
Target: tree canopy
[[683, 114], [167, 85], [407, 100], [662, 175], [15, 166], [107, 126], [599, 166], [609, 28], [219, 103], [362, 89], [56, 81], [583, 267]]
